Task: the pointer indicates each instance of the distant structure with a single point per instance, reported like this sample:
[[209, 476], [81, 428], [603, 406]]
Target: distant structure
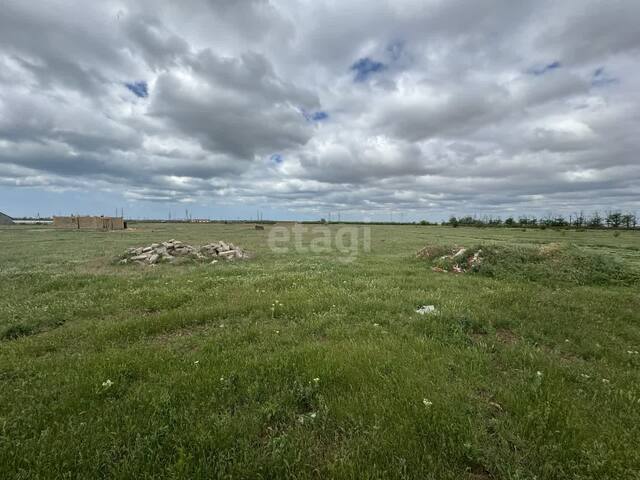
[[6, 219], [90, 223]]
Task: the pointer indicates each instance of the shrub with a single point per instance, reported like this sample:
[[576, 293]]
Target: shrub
[[16, 331]]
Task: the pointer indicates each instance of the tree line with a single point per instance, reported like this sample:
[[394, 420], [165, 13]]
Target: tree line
[[612, 219]]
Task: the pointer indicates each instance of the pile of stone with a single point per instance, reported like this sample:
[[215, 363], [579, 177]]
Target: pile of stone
[[168, 252]]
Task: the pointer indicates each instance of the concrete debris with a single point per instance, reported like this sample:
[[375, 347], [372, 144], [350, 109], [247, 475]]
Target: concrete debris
[[459, 253], [427, 310], [454, 260], [169, 252]]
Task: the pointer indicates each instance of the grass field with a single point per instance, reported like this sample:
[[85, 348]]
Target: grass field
[[187, 371]]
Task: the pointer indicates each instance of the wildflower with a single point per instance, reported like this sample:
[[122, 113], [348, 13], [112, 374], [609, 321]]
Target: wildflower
[[376, 324], [426, 402], [632, 352], [222, 379], [312, 414], [107, 383], [539, 374], [584, 375], [316, 380], [605, 380], [196, 362]]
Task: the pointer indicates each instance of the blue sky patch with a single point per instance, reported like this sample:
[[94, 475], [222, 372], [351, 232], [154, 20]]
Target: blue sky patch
[[139, 89], [276, 158], [601, 78], [365, 67], [545, 68], [318, 116]]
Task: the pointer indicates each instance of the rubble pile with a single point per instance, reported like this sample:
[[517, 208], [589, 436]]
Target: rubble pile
[[169, 252], [452, 260]]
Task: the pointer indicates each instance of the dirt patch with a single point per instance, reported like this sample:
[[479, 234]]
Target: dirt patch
[[506, 337]]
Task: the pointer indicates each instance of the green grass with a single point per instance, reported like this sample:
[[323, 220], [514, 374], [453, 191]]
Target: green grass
[[209, 382]]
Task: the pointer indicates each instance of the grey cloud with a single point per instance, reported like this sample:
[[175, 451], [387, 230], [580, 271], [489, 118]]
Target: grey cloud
[[237, 106], [454, 122]]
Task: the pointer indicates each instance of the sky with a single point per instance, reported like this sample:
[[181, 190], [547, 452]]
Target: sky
[[399, 109]]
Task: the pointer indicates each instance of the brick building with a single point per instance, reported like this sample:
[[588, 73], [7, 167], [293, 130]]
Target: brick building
[[90, 223]]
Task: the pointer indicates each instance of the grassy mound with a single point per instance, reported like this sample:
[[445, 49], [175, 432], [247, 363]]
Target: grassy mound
[[552, 263]]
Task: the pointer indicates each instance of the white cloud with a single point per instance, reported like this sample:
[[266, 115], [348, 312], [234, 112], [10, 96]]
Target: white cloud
[[483, 107]]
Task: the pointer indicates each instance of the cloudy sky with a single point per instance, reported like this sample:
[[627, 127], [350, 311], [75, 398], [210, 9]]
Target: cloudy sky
[[412, 108]]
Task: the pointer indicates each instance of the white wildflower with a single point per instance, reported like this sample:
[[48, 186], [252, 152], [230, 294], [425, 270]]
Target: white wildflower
[[426, 402], [107, 383]]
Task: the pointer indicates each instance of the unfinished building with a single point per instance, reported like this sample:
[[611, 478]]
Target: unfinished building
[[90, 223]]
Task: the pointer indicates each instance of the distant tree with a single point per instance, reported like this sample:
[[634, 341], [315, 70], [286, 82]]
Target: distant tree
[[453, 221], [559, 221], [510, 222], [614, 219], [628, 220], [547, 222], [595, 221]]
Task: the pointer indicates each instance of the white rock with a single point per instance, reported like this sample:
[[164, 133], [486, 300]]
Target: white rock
[[426, 310]]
